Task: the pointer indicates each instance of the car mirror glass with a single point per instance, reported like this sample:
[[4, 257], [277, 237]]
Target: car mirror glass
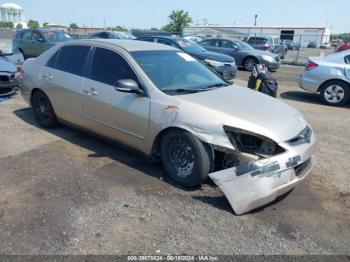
[[128, 86]]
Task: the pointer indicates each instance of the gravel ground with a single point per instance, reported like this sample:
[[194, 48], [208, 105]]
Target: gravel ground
[[64, 192]]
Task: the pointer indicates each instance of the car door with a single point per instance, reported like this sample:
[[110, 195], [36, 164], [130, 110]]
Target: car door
[[62, 79], [39, 43], [212, 45], [26, 43], [227, 47], [111, 113]]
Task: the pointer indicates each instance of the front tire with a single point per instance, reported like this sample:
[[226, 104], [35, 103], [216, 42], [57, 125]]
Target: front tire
[[249, 63], [185, 158], [43, 110], [335, 93]]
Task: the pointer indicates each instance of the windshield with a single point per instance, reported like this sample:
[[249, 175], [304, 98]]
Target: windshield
[[242, 45], [176, 72], [54, 36], [189, 46]]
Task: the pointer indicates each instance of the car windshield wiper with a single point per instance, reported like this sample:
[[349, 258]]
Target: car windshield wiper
[[181, 90], [214, 86]]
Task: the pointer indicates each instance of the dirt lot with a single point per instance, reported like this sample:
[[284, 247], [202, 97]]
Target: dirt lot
[[64, 192]]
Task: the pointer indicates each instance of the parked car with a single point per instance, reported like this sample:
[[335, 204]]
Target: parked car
[[9, 74], [33, 42], [343, 47], [290, 44], [11, 52], [113, 35], [162, 102], [325, 46], [336, 42], [328, 76], [312, 44], [269, 43], [244, 55], [224, 65]]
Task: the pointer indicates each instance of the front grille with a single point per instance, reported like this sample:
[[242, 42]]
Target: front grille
[[301, 168]]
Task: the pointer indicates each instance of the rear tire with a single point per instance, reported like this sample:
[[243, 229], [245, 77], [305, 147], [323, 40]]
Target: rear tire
[[43, 110], [185, 158], [335, 93]]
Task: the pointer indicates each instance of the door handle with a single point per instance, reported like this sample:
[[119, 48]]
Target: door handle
[[91, 92], [48, 76]]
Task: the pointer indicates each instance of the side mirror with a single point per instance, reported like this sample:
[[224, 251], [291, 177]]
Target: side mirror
[[129, 86], [41, 40]]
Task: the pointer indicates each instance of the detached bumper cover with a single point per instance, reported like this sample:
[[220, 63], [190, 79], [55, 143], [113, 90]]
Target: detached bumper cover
[[9, 80], [255, 184]]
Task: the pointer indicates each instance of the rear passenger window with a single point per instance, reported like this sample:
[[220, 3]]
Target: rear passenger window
[[72, 59], [108, 67], [27, 35], [165, 42], [52, 62]]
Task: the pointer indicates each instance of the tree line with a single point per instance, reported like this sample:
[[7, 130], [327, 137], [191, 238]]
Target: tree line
[[178, 19]]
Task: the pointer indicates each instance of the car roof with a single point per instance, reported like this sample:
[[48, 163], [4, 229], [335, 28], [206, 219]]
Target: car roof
[[171, 38], [128, 45]]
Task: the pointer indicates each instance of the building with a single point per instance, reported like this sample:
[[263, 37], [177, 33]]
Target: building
[[14, 13], [56, 27], [302, 34]]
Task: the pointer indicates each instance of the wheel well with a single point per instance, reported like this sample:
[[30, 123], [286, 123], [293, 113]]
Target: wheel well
[[158, 140], [332, 80], [32, 93]]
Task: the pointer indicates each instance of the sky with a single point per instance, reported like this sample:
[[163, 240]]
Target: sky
[[153, 13]]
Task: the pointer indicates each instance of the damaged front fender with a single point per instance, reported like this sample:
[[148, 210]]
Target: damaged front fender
[[257, 183]]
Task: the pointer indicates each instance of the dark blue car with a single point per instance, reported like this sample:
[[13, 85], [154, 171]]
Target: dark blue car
[[224, 65]]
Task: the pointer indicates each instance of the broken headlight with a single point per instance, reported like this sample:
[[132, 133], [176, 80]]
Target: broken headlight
[[251, 143]]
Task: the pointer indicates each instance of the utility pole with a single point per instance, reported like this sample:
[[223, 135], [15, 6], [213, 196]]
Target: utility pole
[[255, 17]]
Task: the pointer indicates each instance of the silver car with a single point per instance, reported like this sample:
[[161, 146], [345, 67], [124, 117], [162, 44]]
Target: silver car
[[330, 77], [164, 103]]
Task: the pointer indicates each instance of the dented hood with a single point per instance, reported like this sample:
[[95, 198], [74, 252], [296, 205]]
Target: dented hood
[[246, 109]]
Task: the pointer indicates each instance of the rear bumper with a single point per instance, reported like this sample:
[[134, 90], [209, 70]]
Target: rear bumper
[[308, 84], [255, 184]]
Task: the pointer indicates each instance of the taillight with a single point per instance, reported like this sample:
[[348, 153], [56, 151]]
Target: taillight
[[266, 46], [311, 65]]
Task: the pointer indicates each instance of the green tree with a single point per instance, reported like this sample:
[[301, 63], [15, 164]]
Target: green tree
[[8, 25], [118, 28], [73, 26], [46, 25], [19, 26], [33, 24], [178, 19]]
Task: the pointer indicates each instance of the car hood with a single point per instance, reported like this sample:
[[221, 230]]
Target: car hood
[[6, 65], [246, 109], [212, 56]]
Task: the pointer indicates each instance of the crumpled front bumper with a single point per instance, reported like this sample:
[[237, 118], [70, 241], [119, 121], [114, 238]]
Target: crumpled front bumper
[[255, 184]]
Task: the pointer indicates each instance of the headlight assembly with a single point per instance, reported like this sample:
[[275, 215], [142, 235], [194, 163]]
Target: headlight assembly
[[267, 58], [214, 63], [251, 143]]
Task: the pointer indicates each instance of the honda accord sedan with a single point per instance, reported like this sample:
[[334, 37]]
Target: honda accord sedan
[[164, 103]]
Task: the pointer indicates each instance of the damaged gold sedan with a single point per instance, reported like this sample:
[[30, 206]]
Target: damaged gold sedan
[[166, 104]]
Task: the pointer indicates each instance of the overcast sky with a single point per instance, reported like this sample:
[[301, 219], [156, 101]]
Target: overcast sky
[[153, 13]]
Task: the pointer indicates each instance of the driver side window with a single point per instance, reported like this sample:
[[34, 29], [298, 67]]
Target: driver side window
[[108, 67], [226, 44]]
